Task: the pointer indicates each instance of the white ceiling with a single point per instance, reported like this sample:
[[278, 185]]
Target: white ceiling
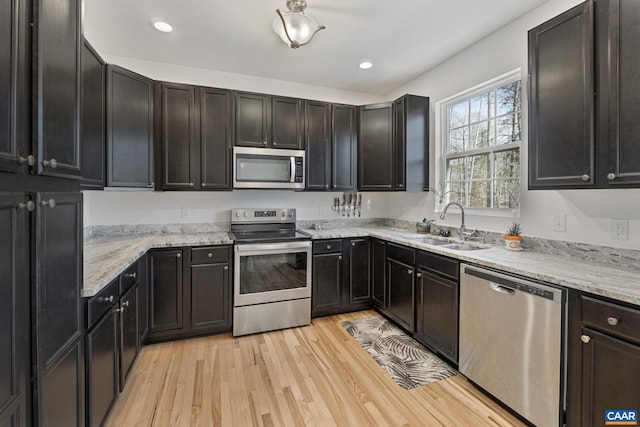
[[403, 38]]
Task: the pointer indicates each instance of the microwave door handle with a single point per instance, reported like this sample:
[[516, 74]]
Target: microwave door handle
[[292, 178]]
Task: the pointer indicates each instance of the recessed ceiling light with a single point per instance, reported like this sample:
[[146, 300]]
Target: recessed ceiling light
[[162, 26], [366, 65]]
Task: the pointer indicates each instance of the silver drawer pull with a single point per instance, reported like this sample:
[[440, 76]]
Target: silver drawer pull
[[178, 255], [613, 321], [108, 299], [611, 176], [53, 163], [226, 267], [30, 160], [29, 206], [51, 203], [125, 303], [210, 255], [585, 339], [131, 275], [410, 271], [585, 177], [419, 275]]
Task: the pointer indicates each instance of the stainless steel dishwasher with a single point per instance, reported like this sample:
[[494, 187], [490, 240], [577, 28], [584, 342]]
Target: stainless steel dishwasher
[[512, 342]]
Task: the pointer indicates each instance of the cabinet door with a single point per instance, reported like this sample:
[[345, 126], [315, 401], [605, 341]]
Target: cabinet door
[[57, 325], [210, 298], [216, 119], [378, 282], [143, 299], [252, 122], [375, 148], [92, 131], [177, 135], [344, 127], [401, 293], [415, 167], [102, 368], [359, 271], [326, 284], [618, 62], [317, 141], [15, 371], [15, 102], [561, 105], [129, 129], [129, 333], [166, 286], [286, 123], [609, 376], [57, 40], [437, 314]]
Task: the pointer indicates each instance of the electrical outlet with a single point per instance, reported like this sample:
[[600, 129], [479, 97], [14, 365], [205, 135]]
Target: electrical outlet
[[560, 222], [185, 213], [620, 229]]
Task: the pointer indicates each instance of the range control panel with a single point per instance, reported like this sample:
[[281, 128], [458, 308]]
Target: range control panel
[[247, 215]]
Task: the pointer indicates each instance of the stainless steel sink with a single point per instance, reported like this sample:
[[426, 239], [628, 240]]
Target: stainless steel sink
[[429, 241], [461, 247]]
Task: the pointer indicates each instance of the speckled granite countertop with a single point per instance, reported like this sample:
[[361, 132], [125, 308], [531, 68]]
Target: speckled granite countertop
[[106, 258]]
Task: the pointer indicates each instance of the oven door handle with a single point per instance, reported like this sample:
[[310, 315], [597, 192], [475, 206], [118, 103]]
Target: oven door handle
[[284, 247]]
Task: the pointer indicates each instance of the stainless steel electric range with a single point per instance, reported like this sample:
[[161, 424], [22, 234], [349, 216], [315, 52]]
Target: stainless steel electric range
[[272, 271]]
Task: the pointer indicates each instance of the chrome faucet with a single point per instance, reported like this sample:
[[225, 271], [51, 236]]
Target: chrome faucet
[[463, 230]]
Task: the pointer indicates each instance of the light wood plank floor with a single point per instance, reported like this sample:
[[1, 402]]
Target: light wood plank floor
[[316, 375]]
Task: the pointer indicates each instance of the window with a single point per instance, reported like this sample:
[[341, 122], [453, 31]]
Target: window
[[480, 132]]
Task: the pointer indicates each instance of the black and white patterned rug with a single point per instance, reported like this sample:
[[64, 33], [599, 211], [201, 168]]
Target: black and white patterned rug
[[405, 360]]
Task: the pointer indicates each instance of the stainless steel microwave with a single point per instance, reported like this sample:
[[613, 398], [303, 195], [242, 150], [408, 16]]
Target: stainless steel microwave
[[268, 168]]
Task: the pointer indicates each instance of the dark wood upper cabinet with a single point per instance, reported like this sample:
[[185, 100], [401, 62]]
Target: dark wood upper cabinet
[[375, 148], [56, 87], [618, 62], [15, 105], [92, 118], [216, 138], [344, 138], [129, 129], [411, 143], [268, 121], [572, 142], [177, 135], [15, 371], [318, 144]]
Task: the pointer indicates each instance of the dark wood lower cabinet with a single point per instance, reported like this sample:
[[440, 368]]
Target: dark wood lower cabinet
[[341, 276], [129, 333], [102, 368], [401, 293], [190, 292], [378, 276]]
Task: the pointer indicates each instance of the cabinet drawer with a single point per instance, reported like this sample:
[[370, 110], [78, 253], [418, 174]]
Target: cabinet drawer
[[613, 318], [209, 254], [129, 277], [439, 264], [327, 246], [401, 253], [100, 303]]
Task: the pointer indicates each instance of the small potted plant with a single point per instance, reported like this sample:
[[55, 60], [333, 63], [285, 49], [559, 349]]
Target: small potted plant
[[513, 237]]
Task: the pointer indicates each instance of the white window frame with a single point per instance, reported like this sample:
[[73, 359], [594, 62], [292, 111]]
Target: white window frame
[[441, 135]]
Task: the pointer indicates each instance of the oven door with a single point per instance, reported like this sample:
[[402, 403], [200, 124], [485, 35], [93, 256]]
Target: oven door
[[269, 272]]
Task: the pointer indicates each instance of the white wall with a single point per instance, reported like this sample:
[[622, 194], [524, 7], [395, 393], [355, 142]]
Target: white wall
[[146, 207], [588, 212]]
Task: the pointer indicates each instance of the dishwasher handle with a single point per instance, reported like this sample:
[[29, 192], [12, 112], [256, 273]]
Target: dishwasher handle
[[502, 289]]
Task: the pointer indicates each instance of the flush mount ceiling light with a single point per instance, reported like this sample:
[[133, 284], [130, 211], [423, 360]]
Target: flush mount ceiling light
[[366, 65], [293, 26], [161, 26]]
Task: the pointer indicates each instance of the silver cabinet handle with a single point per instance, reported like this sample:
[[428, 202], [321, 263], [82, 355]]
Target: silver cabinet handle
[[275, 143], [613, 321], [326, 186], [226, 267], [178, 255], [419, 275], [410, 271], [51, 203], [107, 299], [264, 142], [191, 184], [204, 184], [339, 257], [118, 310], [125, 303], [611, 176], [30, 160], [585, 177], [328, 247], [53, 163], [400, 185], [131, 275], [585, 339], [29, 206], [210, 255], [150, 184]]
